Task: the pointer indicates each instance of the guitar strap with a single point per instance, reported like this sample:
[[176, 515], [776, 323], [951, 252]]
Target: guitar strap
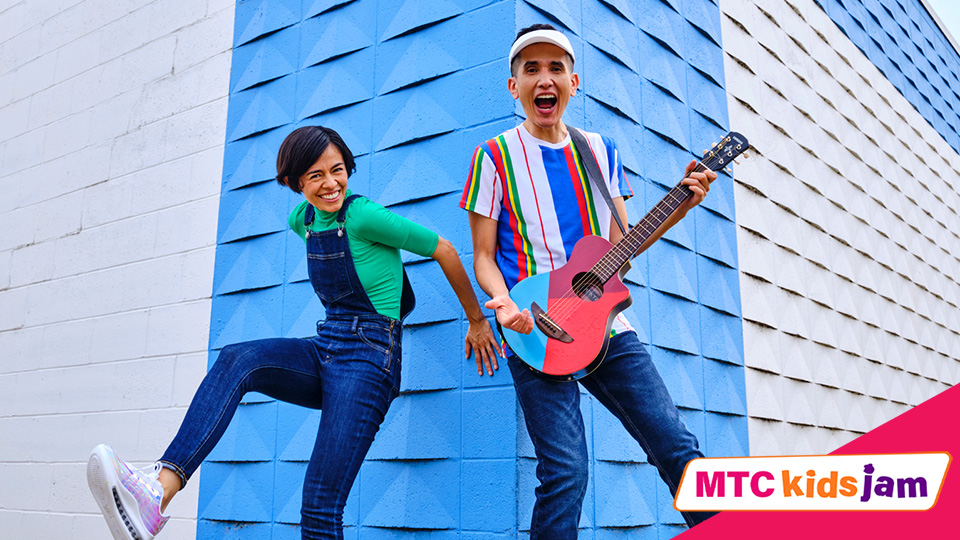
[[593, 171]]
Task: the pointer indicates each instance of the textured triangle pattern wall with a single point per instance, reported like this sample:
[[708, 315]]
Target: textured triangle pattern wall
[[413, 86], [902, 40], [847, 225]]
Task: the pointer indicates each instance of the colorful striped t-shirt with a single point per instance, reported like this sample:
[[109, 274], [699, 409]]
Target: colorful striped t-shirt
[[543, 202]]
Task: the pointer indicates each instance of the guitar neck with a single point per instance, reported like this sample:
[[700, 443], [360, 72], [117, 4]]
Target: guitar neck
[[732, 146], [611, 263]]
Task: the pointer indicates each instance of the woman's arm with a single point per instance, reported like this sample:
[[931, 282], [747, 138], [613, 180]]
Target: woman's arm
[[381, 225], [480, 338]]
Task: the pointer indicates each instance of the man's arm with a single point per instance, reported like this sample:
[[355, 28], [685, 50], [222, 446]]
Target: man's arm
[[699, 183], [490, 279]]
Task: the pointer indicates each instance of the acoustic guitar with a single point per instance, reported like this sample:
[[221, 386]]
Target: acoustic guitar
[[573, 307]]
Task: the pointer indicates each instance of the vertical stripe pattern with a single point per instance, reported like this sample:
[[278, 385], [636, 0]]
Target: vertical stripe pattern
[[541, 198]]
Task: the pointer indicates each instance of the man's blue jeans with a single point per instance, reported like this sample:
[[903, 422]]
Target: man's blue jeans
[[628, 384], [351, 371]]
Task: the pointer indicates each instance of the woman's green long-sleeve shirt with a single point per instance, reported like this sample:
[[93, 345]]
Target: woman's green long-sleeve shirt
[[375, 235]]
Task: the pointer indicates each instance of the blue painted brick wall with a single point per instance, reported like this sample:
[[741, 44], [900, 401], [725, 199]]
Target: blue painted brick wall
[[413, 86], [907, 46]]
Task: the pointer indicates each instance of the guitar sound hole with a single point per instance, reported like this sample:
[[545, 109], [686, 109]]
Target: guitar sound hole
[[587, 286]]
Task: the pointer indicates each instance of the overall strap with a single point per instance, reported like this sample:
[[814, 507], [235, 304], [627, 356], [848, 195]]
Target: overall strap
[[308, 216], [334, 275], [341, 215], [593, 171], [408, 300]]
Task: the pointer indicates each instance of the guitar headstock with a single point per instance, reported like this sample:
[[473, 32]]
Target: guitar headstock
[[722, 154]]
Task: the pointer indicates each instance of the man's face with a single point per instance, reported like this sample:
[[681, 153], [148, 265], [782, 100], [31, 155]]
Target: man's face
[[544, 83]]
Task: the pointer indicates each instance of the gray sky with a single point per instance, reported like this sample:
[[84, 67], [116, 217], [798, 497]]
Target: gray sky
[[949, 13]]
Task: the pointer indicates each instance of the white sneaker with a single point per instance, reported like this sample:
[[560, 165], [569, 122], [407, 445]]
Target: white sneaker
[[129, 498]]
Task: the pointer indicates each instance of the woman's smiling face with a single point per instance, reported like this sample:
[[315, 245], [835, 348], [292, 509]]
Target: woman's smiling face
[[325, 182]]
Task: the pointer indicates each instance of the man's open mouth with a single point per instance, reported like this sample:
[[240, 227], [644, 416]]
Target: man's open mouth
[[545, 102]]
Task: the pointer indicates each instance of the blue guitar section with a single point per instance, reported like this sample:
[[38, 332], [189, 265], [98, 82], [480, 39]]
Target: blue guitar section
[[413, 86], [533, 346]]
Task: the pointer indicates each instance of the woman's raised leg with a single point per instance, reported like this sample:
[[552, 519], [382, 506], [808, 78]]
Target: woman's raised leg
[[283, 368]]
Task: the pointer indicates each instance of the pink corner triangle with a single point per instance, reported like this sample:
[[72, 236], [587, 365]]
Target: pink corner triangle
[[925, 428]]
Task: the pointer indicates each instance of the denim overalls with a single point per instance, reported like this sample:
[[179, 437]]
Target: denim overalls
[[334, 279], [350, 370]]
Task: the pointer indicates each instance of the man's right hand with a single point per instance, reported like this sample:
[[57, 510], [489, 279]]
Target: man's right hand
[[509, 315]]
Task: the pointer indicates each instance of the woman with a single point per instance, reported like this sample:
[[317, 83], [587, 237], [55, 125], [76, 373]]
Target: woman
[[350, 369]]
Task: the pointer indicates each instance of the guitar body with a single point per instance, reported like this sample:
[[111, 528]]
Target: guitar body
[[585, 317]]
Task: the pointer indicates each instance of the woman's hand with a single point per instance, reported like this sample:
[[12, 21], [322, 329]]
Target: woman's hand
[[483, 343], [480, 339]]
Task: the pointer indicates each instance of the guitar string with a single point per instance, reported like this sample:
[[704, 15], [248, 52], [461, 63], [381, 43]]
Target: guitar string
[[567, 302], [606, 267], [566, 306], [606, 264], [666, 206]]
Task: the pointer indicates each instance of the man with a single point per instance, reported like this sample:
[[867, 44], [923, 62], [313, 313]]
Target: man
[[529, 202]]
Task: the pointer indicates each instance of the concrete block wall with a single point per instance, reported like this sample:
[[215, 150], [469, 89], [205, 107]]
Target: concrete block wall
[[413, 86], [906, 44], [847, 225], [844, 239], [112, 118]]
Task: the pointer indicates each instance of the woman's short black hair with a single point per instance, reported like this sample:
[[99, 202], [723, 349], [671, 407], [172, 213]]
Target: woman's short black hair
[[302, 148]]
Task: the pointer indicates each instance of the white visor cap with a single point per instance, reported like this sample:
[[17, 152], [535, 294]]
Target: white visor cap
[[552, 37]]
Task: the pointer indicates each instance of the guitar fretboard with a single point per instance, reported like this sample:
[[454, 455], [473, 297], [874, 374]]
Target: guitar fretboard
[[732, 145], [624, 250]]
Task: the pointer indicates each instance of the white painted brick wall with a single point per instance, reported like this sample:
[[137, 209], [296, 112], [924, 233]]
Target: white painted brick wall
[[847, 234], [112, 124]]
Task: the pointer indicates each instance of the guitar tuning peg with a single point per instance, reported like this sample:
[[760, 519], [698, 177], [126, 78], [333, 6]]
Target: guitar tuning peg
[[728, 168], [705, 152], [746, 155], [713, 145]]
